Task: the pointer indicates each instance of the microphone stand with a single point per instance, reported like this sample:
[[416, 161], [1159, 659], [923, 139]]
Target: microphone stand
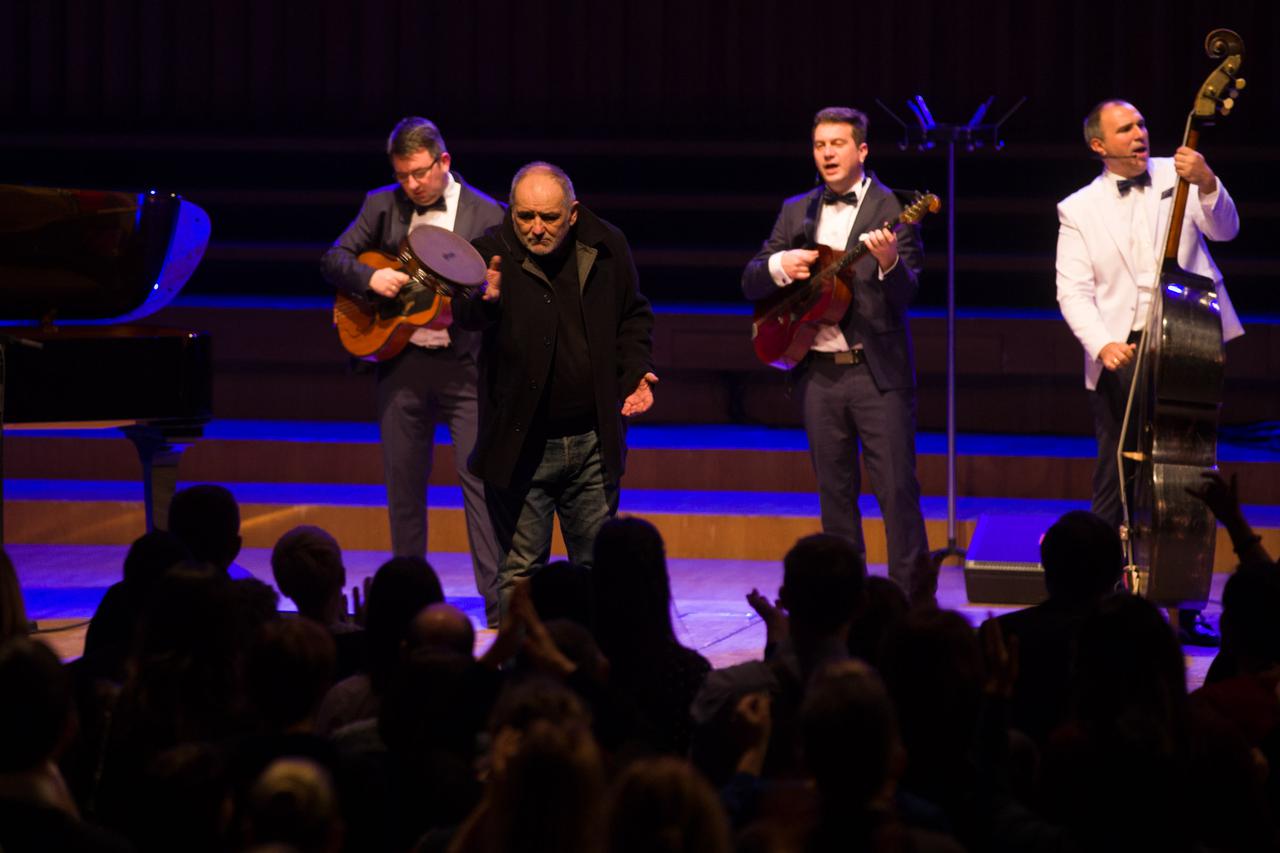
[[924, 135]]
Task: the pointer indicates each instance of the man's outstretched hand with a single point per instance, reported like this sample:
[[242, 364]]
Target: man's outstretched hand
[[641, 399]]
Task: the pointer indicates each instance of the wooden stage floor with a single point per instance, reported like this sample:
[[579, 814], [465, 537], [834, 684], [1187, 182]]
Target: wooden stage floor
[[62, 585]]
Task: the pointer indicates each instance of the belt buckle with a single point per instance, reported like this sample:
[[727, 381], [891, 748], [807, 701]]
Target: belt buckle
[[851, 356]]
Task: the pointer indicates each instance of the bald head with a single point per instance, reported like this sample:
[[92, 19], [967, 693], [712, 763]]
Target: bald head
[[543, 207], [543, 169], [442, 626]]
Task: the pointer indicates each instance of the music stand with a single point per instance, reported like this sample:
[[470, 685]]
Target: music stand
[[925, 134]]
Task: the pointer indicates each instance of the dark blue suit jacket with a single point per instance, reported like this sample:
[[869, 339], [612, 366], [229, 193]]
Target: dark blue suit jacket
[[383, 223], [877, 318]]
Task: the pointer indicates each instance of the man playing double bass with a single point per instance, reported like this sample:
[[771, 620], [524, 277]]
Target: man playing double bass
[[1108, 266], [857, 385]]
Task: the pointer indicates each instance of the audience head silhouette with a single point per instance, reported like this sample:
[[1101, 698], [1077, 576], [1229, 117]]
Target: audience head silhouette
[[206, 518], [1082, 557]]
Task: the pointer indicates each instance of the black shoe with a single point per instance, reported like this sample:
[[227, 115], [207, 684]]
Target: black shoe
[[1195, 631]]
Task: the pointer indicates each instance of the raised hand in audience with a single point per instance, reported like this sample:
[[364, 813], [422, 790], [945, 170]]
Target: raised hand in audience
[[752, 724], [357, 604], [522, 628], [1223, 498], [777, 623], [1001, 657], [538, 644]]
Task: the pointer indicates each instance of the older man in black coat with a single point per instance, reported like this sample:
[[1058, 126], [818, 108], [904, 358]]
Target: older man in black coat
[[567, 342]]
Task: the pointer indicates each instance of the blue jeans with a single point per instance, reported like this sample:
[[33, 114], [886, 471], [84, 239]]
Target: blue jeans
[[570, 482]]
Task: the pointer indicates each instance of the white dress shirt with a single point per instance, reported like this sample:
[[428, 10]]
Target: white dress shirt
[[436, 338], [835, 222], [1145, 245]]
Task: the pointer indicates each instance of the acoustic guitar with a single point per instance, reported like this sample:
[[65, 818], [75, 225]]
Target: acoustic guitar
[[441, 266], [785, 323]]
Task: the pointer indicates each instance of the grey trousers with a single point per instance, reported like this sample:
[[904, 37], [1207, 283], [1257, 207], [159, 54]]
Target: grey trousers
[[416, 391]]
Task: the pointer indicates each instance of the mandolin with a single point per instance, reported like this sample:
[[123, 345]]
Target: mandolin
[[785, 323], [441, 266]]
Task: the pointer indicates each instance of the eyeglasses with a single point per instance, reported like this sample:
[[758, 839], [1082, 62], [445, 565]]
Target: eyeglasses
[[418, 175]]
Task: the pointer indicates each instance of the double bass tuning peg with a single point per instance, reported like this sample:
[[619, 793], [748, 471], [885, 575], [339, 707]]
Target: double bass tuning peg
[[1239, 84]]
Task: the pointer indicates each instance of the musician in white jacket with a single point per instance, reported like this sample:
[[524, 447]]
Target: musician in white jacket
[[1111, 237]]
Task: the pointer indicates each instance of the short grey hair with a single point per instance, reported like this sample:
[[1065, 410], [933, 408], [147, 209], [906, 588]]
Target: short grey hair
[[413, 134], [558, 174], [1093, 121]]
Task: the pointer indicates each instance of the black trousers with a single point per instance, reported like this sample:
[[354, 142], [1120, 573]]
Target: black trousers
[[1108, 402], [846, 416]]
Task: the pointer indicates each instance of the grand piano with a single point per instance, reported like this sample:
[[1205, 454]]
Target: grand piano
[[78, 269]]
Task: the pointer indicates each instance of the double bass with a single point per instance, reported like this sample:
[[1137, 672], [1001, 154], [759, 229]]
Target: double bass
[[1172, 413]]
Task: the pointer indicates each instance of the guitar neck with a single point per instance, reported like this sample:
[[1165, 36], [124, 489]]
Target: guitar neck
[[855, 254]]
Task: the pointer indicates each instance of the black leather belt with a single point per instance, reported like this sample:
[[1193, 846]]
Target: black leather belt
[[850, 356]]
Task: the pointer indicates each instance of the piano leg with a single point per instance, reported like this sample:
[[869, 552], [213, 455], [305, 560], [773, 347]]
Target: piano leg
[[159, 450]]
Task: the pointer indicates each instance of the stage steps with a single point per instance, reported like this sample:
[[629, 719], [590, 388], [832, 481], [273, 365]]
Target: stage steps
[[715, 492], [691, 458]]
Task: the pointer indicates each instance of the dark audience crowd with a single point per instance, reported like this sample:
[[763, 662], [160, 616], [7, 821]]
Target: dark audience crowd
[[201, 718]]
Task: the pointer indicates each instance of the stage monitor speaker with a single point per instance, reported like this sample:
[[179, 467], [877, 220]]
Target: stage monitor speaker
[[1002, 561]]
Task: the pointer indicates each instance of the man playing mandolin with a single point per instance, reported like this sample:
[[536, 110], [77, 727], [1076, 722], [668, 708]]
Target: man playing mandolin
[[434, 378], [1108, 266], [857, 383]]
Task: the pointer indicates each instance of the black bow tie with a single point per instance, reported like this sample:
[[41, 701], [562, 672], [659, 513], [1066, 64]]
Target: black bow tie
[[1143, 180], [829, 197], [438, 204]]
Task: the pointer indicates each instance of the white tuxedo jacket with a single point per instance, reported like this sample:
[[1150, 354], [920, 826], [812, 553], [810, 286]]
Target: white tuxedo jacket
[[1097, 277]]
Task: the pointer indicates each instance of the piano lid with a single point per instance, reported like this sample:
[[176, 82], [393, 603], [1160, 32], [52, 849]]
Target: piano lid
[[94, 257]]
